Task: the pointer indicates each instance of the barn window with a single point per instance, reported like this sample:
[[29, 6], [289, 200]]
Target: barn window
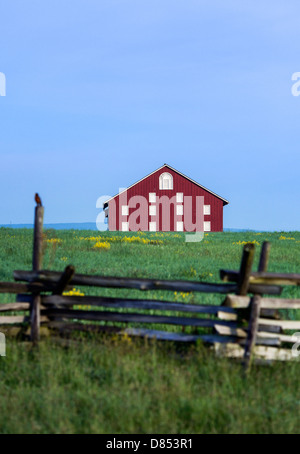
[[152, 226], [206, 226], [179, 226], [165, 181], [179, 197], [152, 197], [179, 210], [206, 209], [125, 210], [152, 210], [125, 226]]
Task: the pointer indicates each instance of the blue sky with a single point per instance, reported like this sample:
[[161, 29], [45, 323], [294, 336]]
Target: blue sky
[[101, 93]]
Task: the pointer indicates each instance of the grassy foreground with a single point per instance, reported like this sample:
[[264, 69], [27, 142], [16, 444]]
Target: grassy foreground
[[104, 385]]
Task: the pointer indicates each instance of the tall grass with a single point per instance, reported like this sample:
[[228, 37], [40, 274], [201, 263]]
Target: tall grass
[[106, 385], [129, 387]]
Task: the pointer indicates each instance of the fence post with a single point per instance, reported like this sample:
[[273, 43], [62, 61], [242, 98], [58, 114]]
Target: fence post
[[252, 330], [264, 256], [36, 266], [64, 280], [255, 310], [245, 268], [243, 284]]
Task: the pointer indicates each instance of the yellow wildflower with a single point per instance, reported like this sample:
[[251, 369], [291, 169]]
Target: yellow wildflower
[[102, 245], [73, 292], [54, 241], [245, 242]]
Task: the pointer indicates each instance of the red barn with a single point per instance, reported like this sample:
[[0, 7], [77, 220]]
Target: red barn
[[165, 200]]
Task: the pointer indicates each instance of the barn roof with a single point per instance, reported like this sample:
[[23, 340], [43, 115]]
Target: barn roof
[[225, 202]]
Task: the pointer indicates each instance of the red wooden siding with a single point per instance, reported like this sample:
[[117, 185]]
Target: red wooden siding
[[180, 184]]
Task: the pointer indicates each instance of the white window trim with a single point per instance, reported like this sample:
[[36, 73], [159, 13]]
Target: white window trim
[[125, 226], [206, 226], [162, 178], [179, 226], [179, 210], [152, 197], [206, 210], [152, 226], [152, 210], [179, 197], [125, 210]]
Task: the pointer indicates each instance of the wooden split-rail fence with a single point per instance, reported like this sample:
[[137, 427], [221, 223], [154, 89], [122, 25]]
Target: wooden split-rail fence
[[247, 325]]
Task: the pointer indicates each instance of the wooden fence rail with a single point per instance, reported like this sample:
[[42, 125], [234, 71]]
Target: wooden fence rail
[[262, 278], [52, 278], [246, 325]]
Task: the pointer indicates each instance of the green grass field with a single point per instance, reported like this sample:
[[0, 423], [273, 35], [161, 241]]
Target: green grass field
[[108, 385]]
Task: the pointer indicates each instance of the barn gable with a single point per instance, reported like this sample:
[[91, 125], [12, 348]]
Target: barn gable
[[163, 185]]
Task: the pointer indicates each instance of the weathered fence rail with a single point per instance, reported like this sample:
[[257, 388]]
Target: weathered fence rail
[[246, 325], [52, 277], [263, 278]]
